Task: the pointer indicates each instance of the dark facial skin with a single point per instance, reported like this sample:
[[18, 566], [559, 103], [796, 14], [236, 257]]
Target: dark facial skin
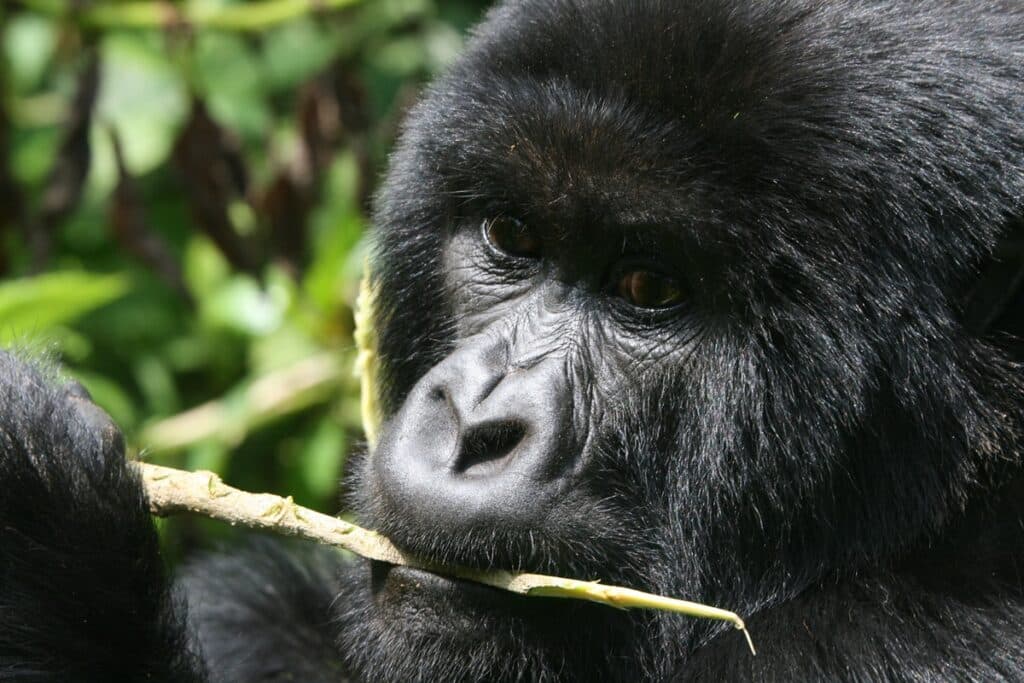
[[498, 459], [498, 432]]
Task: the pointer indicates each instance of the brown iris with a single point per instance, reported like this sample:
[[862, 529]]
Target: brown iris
[[648, 289], [512, 237]]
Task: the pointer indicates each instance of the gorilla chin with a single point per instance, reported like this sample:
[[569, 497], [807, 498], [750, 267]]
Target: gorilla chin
[[416, 625]]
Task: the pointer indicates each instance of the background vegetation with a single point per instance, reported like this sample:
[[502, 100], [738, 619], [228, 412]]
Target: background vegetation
[[184, 188]]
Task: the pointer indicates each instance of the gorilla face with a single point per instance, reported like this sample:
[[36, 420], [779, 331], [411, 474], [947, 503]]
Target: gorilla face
[[668, 296]]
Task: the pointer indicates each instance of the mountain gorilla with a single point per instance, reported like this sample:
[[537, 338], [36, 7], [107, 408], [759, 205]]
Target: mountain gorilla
[[672, 296]]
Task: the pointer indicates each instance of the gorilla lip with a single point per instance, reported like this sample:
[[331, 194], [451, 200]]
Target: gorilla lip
[[389, 577], [411, 593]]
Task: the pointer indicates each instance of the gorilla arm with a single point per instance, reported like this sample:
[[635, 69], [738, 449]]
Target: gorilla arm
[[84, 595], [83, 592]]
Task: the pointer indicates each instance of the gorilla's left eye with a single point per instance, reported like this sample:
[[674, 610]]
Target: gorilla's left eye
[[512, 237], [649, 289]]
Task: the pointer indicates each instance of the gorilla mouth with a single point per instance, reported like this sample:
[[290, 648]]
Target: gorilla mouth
[[401, 581], [409, 602]]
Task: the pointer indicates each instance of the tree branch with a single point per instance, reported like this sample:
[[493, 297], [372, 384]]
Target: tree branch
[[172, 491], [278, 393]]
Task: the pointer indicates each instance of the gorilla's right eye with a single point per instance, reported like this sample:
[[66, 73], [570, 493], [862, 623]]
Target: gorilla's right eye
[[512, 237], [649, 289]]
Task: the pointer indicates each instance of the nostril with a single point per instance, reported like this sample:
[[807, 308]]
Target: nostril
[[487, 448]]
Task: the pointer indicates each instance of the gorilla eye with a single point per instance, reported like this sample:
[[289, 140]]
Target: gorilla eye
[[648, 289], [512, 237]]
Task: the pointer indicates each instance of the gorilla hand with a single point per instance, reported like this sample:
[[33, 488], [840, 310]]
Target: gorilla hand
[[83, 595]]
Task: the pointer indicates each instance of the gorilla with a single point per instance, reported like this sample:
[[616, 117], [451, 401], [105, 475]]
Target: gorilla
[[673, 295]]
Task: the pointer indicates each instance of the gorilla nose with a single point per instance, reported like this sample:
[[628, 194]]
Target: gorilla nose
[[487, 448], [476, 444]]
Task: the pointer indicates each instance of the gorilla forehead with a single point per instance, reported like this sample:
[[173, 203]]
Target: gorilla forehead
[[768, 125]]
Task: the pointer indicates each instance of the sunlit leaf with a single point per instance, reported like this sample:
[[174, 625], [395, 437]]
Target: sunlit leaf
[[322, 458], [28, 42], [144, 97], [285, 346], [442, 44], [31, 306], [205, 268], [242, 306]]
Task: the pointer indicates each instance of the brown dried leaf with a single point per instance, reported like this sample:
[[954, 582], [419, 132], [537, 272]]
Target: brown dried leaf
[[131, 229], [285, 208], [63, 188], [213, 172]]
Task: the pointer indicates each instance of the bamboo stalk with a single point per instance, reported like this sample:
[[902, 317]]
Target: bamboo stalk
[[171, 491]]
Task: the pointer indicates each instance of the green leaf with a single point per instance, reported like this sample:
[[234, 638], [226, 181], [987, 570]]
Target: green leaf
[[322, 457], [377, 18], [209, 455], [32, 154], [228, 73], [157, 384], [294, 53], [205, 268], [402, 56], [337, 226], [28, 42], [285, 346], [144, 98], [32, 306], [442, 44], [241, 306]]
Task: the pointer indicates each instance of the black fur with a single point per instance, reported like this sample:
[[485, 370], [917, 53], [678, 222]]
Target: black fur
[[264, 614], [83, 595], [815, 440]]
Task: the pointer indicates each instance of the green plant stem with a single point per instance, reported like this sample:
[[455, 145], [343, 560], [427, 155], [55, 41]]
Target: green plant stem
[[365, 337], [310, 381], [172, 491], [249, 16]]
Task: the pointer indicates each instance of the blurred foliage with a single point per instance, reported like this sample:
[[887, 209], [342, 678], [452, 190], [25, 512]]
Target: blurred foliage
[[183, 192]]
